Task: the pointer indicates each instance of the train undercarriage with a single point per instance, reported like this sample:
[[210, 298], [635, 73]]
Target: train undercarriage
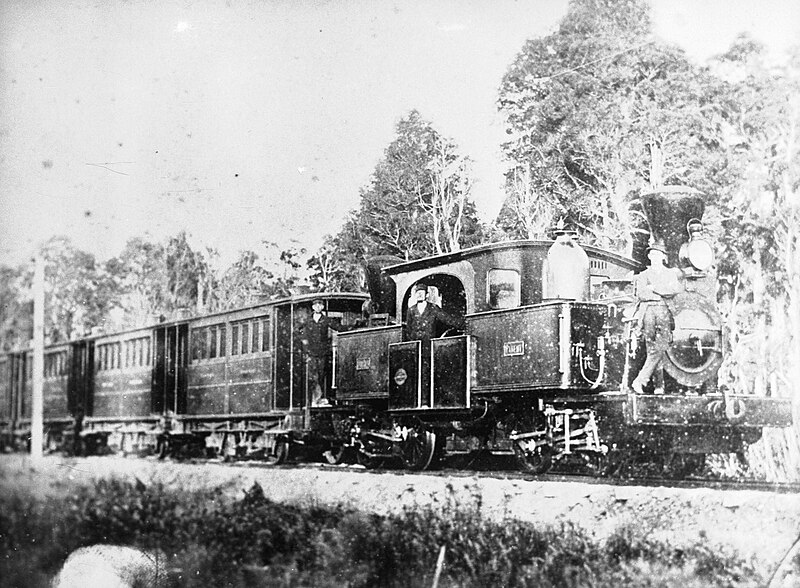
[[606, 434]]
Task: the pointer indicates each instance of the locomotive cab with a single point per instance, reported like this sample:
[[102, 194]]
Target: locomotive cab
[[530, 324]]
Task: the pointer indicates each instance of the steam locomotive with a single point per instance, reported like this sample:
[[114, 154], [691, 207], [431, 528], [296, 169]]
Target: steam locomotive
[[541, 367]]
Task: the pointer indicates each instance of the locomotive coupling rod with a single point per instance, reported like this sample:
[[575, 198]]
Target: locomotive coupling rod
[[382, 436], [531, 435]]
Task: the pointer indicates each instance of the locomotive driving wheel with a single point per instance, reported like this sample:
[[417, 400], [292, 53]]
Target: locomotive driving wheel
[[280, 454], [533, 458], [418, 449], [336, 454]]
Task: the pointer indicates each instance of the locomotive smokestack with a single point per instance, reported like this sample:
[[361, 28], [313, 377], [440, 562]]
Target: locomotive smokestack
[[381, 287], [668, 210]]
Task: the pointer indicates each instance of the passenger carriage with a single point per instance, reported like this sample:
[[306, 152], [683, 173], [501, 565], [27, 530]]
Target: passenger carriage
[[245, 390]]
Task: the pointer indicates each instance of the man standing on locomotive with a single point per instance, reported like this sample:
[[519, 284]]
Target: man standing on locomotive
[[421, 322], [654, 286], [317, 341], [423, 318]]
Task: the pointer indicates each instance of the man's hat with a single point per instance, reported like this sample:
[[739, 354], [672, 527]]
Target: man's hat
[[317, 301], [421, 286], [657, 245]]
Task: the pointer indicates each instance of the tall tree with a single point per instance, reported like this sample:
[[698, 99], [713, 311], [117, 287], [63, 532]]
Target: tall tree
[[80, 293], [16, 308], [159, 278], [241, 284], [339, 263], [417, 203], [597, 111], [140, 272], [398, 209]]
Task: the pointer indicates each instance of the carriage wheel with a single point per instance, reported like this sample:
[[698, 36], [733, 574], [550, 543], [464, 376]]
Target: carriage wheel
[[280, 453], [335, 455], [123, 445], [51, 446], [162, 448], [418, 449], [537, 460]]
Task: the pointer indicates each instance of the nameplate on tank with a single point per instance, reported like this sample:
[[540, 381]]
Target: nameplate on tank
[[512, 348], [362, 363]]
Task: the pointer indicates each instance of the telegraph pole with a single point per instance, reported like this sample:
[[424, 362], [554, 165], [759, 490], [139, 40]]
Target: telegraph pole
[[37, 420]]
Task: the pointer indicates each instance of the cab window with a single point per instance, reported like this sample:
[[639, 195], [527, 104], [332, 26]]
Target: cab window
[[503, 288]]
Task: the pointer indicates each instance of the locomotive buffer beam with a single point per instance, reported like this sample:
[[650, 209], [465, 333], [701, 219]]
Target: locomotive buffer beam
[[710, 410]]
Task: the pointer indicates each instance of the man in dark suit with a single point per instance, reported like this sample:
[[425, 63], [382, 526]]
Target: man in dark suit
[[423, 318], [316, 338], [421, 324]]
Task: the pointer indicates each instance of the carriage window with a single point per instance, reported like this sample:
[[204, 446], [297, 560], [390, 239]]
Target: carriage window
[[212, 342], [198, 343], [235, 340], [503, 288], [265, 334], [255, 339], [147, 351], [245, 338], [216, 341]]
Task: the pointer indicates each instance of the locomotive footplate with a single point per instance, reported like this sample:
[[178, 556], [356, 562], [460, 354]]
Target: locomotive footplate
[[709, 409], [440, 414]]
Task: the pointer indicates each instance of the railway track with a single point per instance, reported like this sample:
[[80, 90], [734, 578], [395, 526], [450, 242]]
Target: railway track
[[510, 474]]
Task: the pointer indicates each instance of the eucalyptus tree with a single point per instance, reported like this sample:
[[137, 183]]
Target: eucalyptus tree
[[80, 293], [596, 112], [418, 200]]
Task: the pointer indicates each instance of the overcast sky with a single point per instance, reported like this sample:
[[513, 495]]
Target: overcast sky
[[241, 121]]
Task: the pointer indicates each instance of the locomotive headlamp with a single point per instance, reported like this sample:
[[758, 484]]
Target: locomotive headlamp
[[698, 250]]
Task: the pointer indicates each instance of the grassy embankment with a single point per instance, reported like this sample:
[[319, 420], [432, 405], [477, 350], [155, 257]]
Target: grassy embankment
[[209, 540]]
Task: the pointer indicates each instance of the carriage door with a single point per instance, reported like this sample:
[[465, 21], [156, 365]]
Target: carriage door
[[20, 404], [171, 358], [80, 380], [284, 370], [5, 391]]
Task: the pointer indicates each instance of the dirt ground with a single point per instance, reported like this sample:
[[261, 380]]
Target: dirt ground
[[758, 525]]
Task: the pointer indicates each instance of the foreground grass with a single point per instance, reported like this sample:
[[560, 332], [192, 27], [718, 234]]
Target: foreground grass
[[208, 540]]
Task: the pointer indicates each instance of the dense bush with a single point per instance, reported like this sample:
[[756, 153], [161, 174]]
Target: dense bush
[[211, 540]]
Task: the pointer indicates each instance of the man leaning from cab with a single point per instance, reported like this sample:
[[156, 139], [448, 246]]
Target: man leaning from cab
[[423, 317]]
